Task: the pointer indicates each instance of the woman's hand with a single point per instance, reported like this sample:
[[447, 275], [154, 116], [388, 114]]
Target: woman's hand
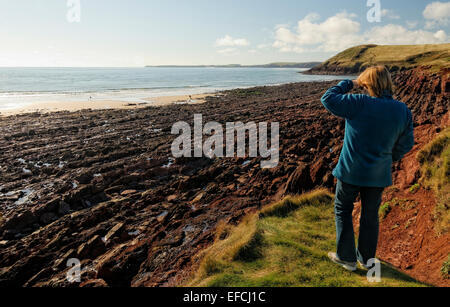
[[356, 84]]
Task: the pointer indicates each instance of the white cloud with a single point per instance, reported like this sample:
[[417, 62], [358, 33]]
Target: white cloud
[[228, 51], [441, 35], [389, 14], [343, 31], [398, 35], [263, 46], [333, 34], [228, 41], [437, 13], [412, 24]]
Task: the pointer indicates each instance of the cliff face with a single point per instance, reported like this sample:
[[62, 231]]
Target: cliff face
[[109, 195], [426, 94], [408, 236]]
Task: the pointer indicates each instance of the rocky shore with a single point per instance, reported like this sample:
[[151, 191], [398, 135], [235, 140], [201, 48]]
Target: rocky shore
[[101, 186]]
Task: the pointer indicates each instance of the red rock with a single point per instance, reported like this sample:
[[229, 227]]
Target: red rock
[[20, 221], [94, 283], [91, 249], [299, 181], [171, 197], [128, 192], [115, 231], [162, 217], [198, 198], [48, 218]]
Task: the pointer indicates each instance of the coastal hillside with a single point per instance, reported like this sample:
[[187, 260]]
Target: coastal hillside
[[433, 58], [285, 245]]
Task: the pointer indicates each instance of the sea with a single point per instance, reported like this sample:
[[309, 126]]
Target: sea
[[22, 86]]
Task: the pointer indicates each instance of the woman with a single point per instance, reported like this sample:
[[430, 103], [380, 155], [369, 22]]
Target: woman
[[379, 131]]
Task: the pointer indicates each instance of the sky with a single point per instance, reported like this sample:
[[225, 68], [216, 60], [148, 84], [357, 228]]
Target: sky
[[129, 33]]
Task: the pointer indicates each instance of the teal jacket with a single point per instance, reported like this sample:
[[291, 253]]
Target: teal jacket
[[378, 132]]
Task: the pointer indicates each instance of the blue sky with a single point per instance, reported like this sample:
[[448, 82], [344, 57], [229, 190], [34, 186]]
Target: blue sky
[[155, 32]]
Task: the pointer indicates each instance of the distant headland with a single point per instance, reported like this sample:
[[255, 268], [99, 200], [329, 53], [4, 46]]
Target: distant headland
[[271, 65]]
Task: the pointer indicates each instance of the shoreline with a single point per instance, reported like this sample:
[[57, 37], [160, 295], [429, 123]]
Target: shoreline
[[118, 104], [110, 104], [74, 106]]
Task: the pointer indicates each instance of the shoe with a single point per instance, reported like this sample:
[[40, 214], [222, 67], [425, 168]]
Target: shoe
[[364, 266], [349, 266], [368, 267]]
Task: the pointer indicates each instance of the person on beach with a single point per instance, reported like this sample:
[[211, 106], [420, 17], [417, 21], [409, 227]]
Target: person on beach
[[379, 131]]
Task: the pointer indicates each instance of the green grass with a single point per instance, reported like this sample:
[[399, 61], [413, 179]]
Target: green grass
[[404, 204], [385, 209], [400, 56], [435, 161], [414, 188], [284, 245], [445, 270]]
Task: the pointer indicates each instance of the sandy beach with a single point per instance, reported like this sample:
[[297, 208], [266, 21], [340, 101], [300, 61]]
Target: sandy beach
[[72, 106]]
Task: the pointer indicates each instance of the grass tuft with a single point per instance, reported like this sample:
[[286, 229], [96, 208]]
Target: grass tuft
[[241, 242], [434, 148], [292, 203], [435, 161], [212, 266], [385, 209], [445, 270], [414, 188], [251, 250]]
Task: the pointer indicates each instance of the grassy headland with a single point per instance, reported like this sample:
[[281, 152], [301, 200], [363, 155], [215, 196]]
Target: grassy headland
[[284, 245], [396, 57]]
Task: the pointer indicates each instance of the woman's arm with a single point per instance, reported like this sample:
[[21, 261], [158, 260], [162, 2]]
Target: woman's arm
[[337, 101], [406, 141]]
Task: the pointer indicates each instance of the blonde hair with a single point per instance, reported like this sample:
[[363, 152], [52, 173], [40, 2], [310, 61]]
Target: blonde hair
[[377, 81]]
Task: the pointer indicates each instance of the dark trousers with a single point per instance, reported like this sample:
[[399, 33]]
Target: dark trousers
[[346, 195]]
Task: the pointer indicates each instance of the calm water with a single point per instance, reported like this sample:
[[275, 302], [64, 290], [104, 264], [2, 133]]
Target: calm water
[[21, 86]]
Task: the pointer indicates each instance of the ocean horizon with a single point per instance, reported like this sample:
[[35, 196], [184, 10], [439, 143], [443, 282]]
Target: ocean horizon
[[22, 86]]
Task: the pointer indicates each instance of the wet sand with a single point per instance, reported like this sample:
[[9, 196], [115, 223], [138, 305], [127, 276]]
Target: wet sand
[[72, 106]]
